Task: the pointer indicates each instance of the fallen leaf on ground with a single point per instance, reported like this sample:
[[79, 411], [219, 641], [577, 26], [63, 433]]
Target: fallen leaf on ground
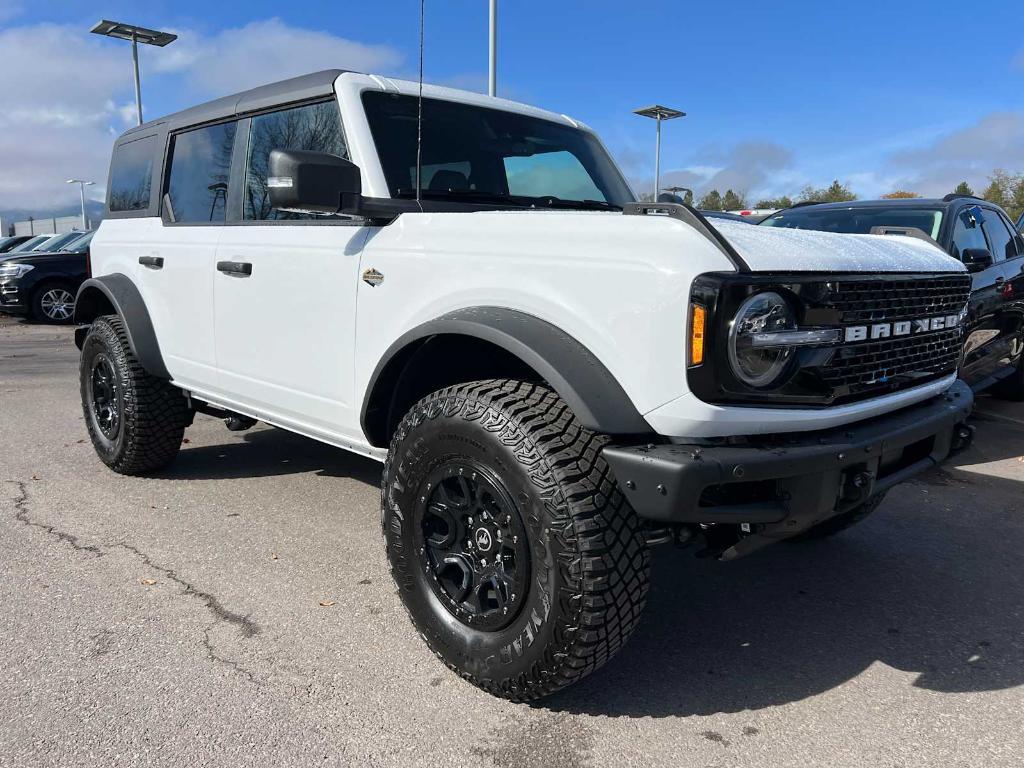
[[186, 441], [273, 555], [327, 603], [148, 582]]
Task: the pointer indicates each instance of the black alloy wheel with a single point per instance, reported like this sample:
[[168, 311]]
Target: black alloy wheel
[[473, 545]]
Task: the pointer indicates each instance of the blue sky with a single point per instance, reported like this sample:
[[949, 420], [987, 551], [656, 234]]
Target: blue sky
[[911, 94]]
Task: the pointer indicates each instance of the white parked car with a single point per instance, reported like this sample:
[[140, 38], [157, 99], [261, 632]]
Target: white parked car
[[553, 376]]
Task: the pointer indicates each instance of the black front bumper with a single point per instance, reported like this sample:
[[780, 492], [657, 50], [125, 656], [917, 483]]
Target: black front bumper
[[12, 299], [792, 482]]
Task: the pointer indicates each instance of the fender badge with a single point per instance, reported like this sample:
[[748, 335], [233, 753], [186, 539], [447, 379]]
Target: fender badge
[[373, 277]]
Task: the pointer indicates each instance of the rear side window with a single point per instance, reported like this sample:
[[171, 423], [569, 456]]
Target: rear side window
[[131, 175], [200, 162], [314, 127]]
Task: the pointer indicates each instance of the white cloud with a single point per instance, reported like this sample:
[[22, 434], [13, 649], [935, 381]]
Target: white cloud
[[972, 153], [72, 92], [263, 52]]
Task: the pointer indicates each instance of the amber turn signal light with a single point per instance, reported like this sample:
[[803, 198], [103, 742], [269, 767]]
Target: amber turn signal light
[[697, 317]]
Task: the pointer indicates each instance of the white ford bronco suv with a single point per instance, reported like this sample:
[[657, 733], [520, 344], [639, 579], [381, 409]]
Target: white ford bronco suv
[[555, 376]]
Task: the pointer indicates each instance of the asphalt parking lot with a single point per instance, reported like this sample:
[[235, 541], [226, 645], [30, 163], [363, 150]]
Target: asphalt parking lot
[[236, 610]]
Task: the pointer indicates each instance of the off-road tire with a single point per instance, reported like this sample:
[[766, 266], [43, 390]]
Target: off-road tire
[[589, 561], [152, 413], [840, 523]]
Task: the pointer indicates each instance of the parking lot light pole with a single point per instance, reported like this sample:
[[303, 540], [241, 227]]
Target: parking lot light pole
[[492, 51], [81, 188], [136, 35], [658, 113]]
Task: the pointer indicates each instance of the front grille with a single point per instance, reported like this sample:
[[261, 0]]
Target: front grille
[[894, 362], [864, 301]]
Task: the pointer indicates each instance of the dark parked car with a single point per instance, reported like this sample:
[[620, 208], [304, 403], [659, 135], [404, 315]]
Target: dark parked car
[[728, 217], [7, 243], [28, 245], [44, 285], [975, 232]]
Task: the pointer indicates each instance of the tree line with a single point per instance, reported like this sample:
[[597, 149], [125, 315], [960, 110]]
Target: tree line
[[1004, 189]]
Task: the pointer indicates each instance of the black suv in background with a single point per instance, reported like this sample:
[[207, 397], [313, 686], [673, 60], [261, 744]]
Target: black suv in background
[[44, 284], [971, 230]]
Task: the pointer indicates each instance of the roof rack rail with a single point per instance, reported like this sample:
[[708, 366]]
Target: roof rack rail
[[955, 196], [803, 204]]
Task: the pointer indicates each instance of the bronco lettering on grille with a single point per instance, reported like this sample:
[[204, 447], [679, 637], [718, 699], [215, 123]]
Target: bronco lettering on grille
[[904, 328]]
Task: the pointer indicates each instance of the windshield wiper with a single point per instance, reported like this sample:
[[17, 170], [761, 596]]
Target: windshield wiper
[[465, 195]]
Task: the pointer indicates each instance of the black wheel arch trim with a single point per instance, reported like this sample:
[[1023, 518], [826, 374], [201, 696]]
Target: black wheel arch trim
[[573, 371], [124, 296]]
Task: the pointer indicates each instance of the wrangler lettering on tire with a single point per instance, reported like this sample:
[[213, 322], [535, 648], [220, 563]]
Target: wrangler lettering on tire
[[502, 470]]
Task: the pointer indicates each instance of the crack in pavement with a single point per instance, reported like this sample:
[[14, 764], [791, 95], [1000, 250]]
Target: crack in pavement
[[21, 514], [246, 626]]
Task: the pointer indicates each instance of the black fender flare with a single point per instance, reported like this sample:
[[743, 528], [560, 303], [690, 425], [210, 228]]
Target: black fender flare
[[573, 371], [123, 295]]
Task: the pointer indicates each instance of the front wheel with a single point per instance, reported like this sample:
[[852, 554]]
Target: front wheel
[[518, 559], [136, 421]]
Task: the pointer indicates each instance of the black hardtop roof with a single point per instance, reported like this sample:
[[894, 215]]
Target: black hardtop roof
[[273, 94]]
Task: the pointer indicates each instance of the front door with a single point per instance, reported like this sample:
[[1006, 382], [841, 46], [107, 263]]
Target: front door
[[285, 290], [986, 343]]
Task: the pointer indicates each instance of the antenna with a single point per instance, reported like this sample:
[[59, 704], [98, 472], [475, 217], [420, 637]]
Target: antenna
[[419, 123]]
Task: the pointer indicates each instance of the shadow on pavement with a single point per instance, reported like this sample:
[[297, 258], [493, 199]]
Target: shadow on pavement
[[269, 452], [932, 584]]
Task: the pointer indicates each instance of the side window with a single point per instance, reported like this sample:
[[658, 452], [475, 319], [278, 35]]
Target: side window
[[200, 162], [999, 237], [315, 128], [131, 175], [550, 173], [967, 233]]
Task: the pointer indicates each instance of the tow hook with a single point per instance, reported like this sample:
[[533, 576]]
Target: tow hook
[[963, 436]]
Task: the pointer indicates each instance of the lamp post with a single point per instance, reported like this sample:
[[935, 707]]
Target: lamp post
[[658, 113], [136, 35], [81, 189], [492, 51]]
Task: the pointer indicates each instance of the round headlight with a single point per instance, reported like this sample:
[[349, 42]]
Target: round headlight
[[755, 362]]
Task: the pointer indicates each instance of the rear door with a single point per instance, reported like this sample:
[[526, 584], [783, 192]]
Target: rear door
[[285, 288], [177, 265], [983, 346]]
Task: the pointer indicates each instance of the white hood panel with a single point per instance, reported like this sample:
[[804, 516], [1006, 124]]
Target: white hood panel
[[775, 249]]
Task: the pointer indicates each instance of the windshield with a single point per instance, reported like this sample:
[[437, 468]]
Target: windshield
[[477, 154], [80, 243], [56, 242], [28, 245], [858, 221]]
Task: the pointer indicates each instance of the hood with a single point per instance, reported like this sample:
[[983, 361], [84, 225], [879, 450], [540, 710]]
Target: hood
[[775, 249]]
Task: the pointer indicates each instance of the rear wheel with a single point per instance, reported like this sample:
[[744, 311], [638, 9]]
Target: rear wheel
[[135, 421], [518, 559], [54, 303]]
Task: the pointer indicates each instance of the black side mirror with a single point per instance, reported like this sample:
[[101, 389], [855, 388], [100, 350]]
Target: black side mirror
[[976, 259], [313, 182], [668, 197]]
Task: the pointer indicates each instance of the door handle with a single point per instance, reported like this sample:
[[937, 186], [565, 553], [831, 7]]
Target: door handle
[[153, 262], [236, 268]]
